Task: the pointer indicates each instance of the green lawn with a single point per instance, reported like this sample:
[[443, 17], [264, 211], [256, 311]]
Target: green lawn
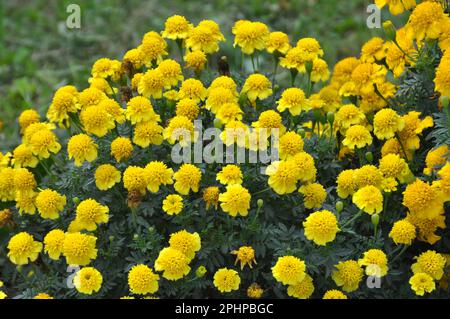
[[38, 53]]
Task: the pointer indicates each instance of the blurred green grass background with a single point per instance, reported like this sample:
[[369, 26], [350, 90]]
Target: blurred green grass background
[[38, 53]]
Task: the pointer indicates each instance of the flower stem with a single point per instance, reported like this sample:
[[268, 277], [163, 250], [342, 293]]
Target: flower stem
[[402, 147], [353, 219]]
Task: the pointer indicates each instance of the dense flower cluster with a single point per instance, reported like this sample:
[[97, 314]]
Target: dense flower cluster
[[362, 174]]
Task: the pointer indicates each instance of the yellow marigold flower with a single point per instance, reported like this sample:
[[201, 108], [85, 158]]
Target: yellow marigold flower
[[185, 242], [373, 50], [23, 248], [187, 178], [413, 128], [176, 27], [245, 255], [376, 263], [427, 20], [396, 7], [44, 142], [142, 280], [90, 213], [430, 263], [357, 136], [403, 232], [224, 81], [26, 203], [314, 195], [154, 47], [422, 283], [444, 182], [372, 102], [250, 36], [24, 181], [393, 166], [43, 296], [5, 159], [140, 109], [151, 84], [283, 176], [148, 133], [214, 27], [269, 120], [278, 42], [423, 199], [82, 148], [229, 112], [436, 158], [192, 89], [334, 294], [366, 75], [310, 47], [173, 263], [302, 290], [202, 38], [346, 183], [392, 146], [235, 132], [188, 108], [50, 203], [348, 275], [135, 179], [255, 291], [368, 175], [88, 280], [23, 157], [121, 148], [136, 57], [90, 96], [195, 60], [64, 102], [7, 191], [320, 71], [173, 204], [99, 84], [219, 96], [306, 167], [114, 109], [211, 196], [442, 80], [289, 270], [389, 185], [257, 86], [290, 144], [96, 120], [369, 199], [158, 174], [79, 249], [54, 243], [135, 81], [349, 115], [229, 175], [343, 69], [105, 68], [226, 280], [321, 227], [294, 100], [28, 117], [236, 200], [171, 71], [444, 38]]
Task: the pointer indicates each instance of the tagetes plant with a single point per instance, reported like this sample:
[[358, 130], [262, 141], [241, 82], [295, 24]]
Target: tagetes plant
[[360, 188]]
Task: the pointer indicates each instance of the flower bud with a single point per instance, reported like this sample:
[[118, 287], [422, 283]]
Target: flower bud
[[75, 200], [135, 236], [444, 101], [217, 123], [260, 203], [369, 157], [201, 271], [111, 238], [30, 274], [330, 117], [389, 30], [309, 66], [301, 132], [318, 116], [375, 218], [339, 206]]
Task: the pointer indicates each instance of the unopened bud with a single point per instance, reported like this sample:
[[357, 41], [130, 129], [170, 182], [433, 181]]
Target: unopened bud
[[135, 236], [375, 219], [111, 238], [318, 116], [444, 101], [301, 132], [369, 157], [339, 206], [330, 117], [75, 200], [201, 271], [30, 274], [309, 67], [217, 123], [260, 203], [390, 30]]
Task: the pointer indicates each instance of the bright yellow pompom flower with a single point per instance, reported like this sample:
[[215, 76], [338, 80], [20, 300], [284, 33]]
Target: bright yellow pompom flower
[[226, 280], [289, 270], [173, 263], [88, 280], [369, 199], [79, 249], [236, 200], [187, 178], [90, 213], [376, 263], [422, 283], [54, 243], [82, 148], [173, 204], [348, 275], [187, 243], [142, 280], [50, 203], [321, 227], [431, 263], [106, 176], [23, 248]]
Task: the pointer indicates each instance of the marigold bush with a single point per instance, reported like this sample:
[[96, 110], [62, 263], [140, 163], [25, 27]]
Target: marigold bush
[[357, 198]]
